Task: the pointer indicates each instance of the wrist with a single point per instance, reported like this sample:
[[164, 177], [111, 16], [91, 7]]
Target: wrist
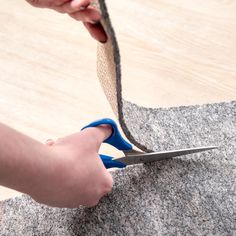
[[29, 172], [40, 173]]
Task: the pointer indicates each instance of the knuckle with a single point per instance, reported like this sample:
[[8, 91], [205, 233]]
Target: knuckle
[[75, 15], [102, 189], [107, 184], [33, 2], [59, 9], [59, 2]]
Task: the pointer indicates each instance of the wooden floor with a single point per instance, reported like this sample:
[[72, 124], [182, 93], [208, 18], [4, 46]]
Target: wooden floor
[[174, 52], [178, 52]]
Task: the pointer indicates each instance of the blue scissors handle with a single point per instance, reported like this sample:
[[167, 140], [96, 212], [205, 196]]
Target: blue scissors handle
[[116, 140], [109, 163]]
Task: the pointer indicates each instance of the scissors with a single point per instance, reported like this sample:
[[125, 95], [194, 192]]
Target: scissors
[[131, 156]]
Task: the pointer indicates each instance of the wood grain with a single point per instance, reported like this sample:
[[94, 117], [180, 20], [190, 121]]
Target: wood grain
[[177, 52], [48, 82], [173, 53]]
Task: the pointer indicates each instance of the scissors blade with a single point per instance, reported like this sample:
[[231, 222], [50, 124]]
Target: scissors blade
[[157, 156]]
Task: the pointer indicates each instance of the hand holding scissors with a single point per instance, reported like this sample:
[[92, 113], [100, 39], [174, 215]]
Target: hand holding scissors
[[131, 156]]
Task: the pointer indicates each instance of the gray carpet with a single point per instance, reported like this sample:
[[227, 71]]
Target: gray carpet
[[192, 195]]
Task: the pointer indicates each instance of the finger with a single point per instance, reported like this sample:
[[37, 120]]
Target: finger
[[104, 132], [96, 31], [96, 135], [108, 185], [72, 6], [56, 2], [49, 3], [90, 14], [104, 189]]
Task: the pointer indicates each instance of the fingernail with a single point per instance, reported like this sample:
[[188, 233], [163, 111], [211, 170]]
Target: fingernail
[[83, 7], [94, 22], [103, 41]]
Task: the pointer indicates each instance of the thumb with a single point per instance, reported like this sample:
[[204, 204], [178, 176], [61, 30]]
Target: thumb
[[99, 134], [103, 132]]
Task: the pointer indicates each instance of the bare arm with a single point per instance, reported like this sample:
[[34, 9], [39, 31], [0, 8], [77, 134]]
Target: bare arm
[[67, 173]]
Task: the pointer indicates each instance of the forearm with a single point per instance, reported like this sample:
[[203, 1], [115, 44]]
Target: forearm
[[67, 173], [22, 160]]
